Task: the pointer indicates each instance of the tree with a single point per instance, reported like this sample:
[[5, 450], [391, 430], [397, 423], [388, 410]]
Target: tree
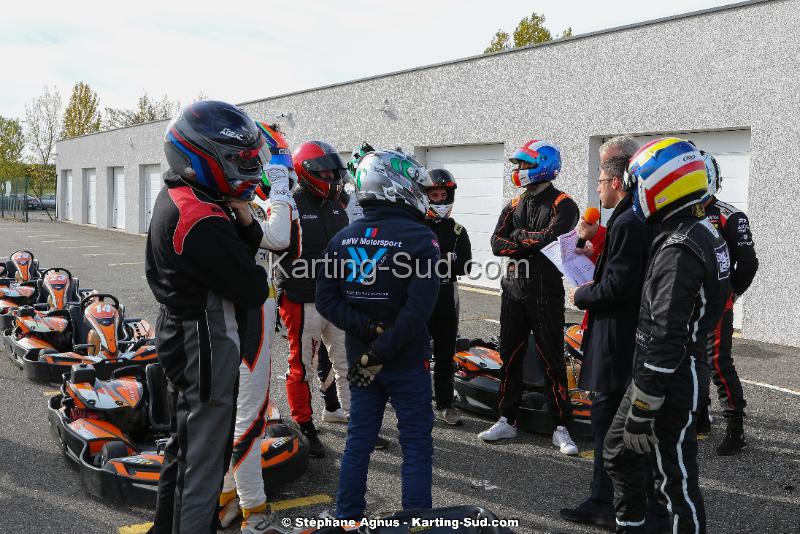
[[43, 124], [530, 30], [499, 42], [147, 110], [12, 146], [81, 116]]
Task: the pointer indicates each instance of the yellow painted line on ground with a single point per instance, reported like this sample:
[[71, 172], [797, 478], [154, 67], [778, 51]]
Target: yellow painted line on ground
[[50, 392], [702, 437], [299, 502], [587, 455], [480, 290]]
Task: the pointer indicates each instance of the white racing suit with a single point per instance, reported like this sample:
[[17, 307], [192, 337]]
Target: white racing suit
[[244, 474]]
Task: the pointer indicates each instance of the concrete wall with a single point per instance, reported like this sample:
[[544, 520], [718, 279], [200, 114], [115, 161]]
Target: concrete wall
[[732, 68]]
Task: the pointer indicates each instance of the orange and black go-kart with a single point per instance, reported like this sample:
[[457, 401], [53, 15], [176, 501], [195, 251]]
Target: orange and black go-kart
[[114, 432], [18, 287], [454, 519], [101, 335], [20, 267], [54, 290], [477, 383]]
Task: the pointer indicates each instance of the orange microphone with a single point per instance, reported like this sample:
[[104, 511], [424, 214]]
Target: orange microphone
[[591, 216]]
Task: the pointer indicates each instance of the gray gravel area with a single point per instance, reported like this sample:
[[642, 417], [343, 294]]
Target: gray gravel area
[[525, 479]]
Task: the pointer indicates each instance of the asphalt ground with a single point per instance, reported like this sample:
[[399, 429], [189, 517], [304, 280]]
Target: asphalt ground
[[525, 479]]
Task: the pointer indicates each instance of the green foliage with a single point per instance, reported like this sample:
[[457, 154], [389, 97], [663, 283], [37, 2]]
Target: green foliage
[[12, 145], [147, 110], [499, 42], [530, 30], [81, 116], [41, 178]]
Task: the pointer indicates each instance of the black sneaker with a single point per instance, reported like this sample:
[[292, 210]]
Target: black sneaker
[[590, 512], [315, 447], [381, 443], [734, 438]]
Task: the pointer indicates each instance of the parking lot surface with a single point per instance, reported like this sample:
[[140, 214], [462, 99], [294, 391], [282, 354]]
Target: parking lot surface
[[525, 479]]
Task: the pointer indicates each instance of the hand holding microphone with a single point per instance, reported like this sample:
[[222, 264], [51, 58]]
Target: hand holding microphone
[[587, 226]]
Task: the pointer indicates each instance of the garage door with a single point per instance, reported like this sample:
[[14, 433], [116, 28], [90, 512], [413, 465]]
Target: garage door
[[731, 148], [152, 185], [90, 194], [118, 188], [68, 195], [478, 170]]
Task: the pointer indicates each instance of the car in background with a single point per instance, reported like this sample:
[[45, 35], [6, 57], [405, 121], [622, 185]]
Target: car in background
[[48, 201]]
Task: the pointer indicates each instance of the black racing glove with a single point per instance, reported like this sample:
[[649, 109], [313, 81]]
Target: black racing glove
[[371, 330], [364, 370], [639, 433]]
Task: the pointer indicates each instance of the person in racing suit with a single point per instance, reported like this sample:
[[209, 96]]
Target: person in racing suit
[[274, 210], [685, 288], [322, 207], [455, 247], [380, 289], [200, 265], [734, 226], [533, 290]]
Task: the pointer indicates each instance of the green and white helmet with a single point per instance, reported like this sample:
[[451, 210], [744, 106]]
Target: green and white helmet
[[388, 176]]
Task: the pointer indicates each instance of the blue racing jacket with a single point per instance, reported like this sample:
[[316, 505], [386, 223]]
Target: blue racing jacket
[[381, 267]]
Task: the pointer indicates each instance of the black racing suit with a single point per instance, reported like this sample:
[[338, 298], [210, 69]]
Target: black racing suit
[[200, 265], [687, 282], [734, 226], [443, 324], [533, 296]]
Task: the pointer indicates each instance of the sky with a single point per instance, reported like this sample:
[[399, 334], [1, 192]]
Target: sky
[[237, 52]]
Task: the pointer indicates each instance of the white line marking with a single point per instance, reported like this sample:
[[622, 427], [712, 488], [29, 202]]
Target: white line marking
[[62, 241], [770, 386], [495, 321], [82, 246], [95, 254], [127, 263], [45, 235], [482, 291]]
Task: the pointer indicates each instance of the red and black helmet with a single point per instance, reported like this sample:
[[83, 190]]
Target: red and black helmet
[[319, 169]]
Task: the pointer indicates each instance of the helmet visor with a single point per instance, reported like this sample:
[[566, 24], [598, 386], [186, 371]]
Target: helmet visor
[[329, 162]]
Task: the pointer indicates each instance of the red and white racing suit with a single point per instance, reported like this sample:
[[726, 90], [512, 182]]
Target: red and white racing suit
[[244, 473]]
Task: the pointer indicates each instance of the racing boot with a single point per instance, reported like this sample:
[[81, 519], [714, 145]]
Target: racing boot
[[315, 447], [500, 430], [734, 437], [261, 520], [449, 416], [228, 508], [563, 441], [703, 420], [335, 416], [381, 443]]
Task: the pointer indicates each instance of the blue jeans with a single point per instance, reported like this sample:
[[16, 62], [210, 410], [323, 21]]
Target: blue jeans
[[409, 391]]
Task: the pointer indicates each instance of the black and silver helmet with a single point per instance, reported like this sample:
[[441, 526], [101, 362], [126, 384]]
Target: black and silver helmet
[[388, 176]]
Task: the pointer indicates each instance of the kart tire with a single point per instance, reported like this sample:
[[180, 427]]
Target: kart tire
[[113, 449]]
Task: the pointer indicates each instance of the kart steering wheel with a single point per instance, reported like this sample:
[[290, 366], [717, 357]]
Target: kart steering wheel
[[87, 300]]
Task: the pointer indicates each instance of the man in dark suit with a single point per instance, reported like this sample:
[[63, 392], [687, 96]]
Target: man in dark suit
[[612, 300]]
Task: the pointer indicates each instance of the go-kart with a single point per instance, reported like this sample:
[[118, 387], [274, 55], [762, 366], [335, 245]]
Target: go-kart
[[20, 267], [477, 384], [101, 336], [453, 519], [114, 432], [53, 290]]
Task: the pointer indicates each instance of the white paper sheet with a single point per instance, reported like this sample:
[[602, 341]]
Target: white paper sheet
[[577, 268]]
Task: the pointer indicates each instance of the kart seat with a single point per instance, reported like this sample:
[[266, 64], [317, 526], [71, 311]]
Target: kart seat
[[158, 405], [80, 331]]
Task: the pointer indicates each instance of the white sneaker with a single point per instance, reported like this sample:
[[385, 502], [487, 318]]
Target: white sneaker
[[449, 416], [563, 441], [500, 430], [262, 523], [230, 510], [339, 416]]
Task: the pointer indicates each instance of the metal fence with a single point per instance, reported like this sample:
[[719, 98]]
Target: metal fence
[[15, 202]]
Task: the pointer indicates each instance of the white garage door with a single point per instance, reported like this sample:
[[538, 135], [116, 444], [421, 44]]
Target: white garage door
[[118, 188], [90, 194], [478, 170], [152, 185], [68, 195], [731, 148]]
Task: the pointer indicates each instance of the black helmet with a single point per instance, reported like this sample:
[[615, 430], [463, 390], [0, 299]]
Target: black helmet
[[217, 147], [442, 179]]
